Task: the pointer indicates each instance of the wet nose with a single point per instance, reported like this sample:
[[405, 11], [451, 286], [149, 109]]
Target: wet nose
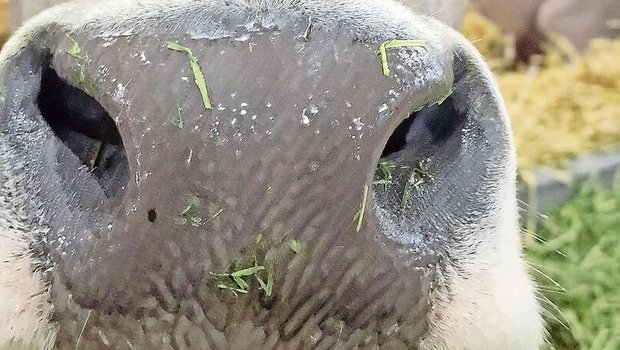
[[276, 152], [188, 172]]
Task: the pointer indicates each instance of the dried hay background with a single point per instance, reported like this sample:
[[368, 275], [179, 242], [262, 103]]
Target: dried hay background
[[562, 104]]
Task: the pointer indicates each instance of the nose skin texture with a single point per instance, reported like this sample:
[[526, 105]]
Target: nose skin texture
[[287, 153], [256, 157]]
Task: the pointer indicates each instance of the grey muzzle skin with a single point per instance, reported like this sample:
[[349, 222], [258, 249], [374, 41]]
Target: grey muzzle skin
[[148, 199]]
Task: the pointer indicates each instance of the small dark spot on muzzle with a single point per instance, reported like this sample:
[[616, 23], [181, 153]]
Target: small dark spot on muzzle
[[152, 215]]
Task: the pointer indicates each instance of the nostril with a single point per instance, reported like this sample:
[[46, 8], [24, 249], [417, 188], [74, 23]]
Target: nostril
[[66, 107], [428, 127], [398, 139], [152, 215], [84, 126], [436, 123]]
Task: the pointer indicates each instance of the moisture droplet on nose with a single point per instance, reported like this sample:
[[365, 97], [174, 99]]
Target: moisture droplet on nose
[[384, 111], [305, 120], [314, 166], [358, 124], [307, 113], [314, 109], [143, 59]]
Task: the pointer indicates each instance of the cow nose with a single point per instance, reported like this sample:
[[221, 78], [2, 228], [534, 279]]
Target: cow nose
[[279, 153], [177, 163]]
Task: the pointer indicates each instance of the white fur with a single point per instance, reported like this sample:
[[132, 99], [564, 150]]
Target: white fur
[[24, 308], [450, 12], [24, 297], [490, 302]]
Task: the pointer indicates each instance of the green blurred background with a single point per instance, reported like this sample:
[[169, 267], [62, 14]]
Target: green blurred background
[[575, 257]]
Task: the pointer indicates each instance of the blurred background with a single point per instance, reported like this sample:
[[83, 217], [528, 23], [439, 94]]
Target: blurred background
[[557, 63]]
